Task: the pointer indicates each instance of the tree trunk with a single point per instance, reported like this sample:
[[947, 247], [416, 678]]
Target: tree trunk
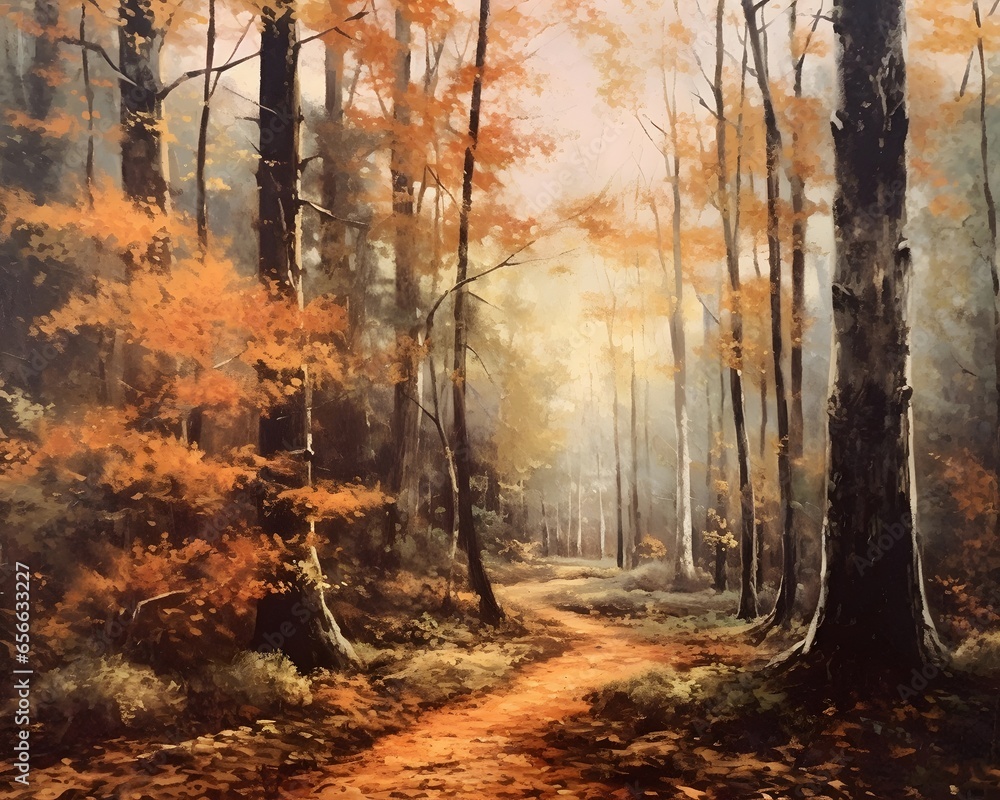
[[785, 603], [721, 498], [991, 218], [37, 157], [201, 159], [546, 533], [88, 94], [796, 428], [406, 416], [683, 519], [344, 419], [579, 510], [637, 529], [872, 608], [569, 512], [278, 170], [619, 499], [143, 166], [685, 524], [748, 554], [296, 622], [600, 506], [559, 534], [489, 610], [759, 527]]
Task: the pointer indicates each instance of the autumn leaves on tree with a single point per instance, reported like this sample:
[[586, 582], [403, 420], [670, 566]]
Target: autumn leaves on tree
[[202, 390]]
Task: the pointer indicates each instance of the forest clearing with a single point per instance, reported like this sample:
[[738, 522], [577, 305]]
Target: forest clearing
[[454, 398]]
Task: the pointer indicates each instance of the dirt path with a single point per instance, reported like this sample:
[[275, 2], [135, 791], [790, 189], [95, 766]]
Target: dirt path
[[492, 746]]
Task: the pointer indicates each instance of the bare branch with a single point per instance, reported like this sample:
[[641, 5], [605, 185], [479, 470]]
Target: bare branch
[[325, 212], [99, 49], [195, 73]]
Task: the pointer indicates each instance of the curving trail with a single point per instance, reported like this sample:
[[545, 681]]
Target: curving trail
[[492, 746]]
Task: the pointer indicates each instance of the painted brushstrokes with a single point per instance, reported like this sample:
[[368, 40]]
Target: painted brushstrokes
[[533, 400]]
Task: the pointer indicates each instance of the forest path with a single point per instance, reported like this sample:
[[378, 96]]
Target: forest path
[[493, 745]]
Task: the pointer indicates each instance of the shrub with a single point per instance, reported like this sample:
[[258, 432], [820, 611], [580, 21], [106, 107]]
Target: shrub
[[979, 654], [519, 552], [652, 700], [268, 681], [111, 693], [656, 576], [651, 549]]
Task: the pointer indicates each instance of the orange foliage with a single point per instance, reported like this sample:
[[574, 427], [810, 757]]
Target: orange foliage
[[326, 501]]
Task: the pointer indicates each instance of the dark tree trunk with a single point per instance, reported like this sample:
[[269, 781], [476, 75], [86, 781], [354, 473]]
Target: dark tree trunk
[[872, 608], [991, 220], [489, 610], [333, 232], [139, 42], [88, 95], [785, 603], [201, 159], [748, 554], [38, 155], [721, 498], [344, 423], [296, 622], [278, 168], [760, 530]]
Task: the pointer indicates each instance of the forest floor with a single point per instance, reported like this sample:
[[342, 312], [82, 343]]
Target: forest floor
[[605, 687]]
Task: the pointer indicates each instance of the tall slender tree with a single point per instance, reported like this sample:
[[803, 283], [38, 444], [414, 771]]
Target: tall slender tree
[[489, 609], [785, 603], [678, 342], [635, 515], [748, 554], [406, 417], [609, 325], [800, 222], [989, 200]]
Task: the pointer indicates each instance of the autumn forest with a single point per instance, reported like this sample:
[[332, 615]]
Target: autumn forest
[[543, 399]]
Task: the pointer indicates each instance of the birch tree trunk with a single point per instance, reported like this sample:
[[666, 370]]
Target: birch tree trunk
[[685, 524]]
